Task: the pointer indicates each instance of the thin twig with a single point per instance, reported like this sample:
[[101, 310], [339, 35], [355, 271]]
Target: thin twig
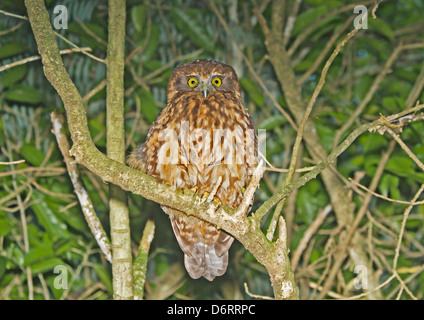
[[381, 196], [291, 21], [406, 149], [11, 162], [35, 58], [140, 262], [402, 229], [308, 235], [86, 205], [256, 296]]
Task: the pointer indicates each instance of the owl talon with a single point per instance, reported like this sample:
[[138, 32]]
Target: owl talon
[[217, 200], [214, 190], [194, 189], [205, 197]]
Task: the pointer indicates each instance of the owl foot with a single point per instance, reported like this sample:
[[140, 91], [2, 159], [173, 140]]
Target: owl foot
[[208, 199], [249, 193], [211, 196]]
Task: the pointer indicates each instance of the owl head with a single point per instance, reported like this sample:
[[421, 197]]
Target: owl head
[[203, 79]]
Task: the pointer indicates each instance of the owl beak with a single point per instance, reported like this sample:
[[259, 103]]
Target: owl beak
[[205, 91]]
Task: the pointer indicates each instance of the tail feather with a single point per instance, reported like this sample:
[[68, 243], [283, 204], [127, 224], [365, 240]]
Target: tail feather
[[205, 247]]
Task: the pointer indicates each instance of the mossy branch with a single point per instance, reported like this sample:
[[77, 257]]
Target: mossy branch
[[122, 268]]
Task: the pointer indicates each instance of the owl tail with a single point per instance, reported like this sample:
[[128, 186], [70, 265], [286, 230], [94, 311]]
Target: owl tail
[[205, 247]]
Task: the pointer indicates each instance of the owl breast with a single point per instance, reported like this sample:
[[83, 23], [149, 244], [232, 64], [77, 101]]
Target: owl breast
[[202, 142]]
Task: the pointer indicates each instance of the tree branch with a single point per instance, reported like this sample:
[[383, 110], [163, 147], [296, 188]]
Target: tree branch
[[122, 268], [86, 205]]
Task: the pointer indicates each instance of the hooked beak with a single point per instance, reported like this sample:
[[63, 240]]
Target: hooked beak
[[205, 91]]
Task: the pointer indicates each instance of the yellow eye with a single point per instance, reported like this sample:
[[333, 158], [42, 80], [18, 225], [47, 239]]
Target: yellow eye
[[217, 82], [192, 82]]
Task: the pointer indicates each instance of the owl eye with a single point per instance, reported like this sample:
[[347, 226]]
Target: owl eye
[[217, 82], [192, 82]]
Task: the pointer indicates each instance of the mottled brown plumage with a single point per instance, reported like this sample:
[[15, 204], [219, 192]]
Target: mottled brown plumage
[[202, 138]]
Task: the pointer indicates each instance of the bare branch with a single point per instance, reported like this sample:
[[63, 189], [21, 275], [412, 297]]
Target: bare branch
[[86, 205]]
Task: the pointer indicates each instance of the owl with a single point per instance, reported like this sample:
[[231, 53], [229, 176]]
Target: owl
[[203, 140]]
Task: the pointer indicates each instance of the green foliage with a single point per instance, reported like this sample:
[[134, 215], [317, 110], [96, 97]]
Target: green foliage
[[11, 49], [24, 94], [188, 23], [149, 110], [12, 76], [41, 222]]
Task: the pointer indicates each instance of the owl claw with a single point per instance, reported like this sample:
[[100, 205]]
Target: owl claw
[[194, 189], [205, 197], [219, 203], [209, 197], [214, 190]]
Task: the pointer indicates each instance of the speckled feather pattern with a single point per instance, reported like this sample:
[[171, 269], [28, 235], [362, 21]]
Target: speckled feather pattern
[[184, 149]]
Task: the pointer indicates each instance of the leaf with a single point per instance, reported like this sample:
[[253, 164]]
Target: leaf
[[381, 27], [188, 23], [373, 142], [389, 183], [371, 162], [46, 265], [24, 94], [326, 134], [403, 164], [153, 43], [5, 227], [104, 276], [310, 200], [13, 75], [43, 250], [419, 151], [272, 122], [407, 73], [18, 256], [96, 127], [362, 87], [47, 218], [148, 105], [138, 17], [393, 104], [66, 247], [3, 261], [88, 39], [72, 217], [298, 235], [252, 90], [32, 155], [11, 49], [308, 17]]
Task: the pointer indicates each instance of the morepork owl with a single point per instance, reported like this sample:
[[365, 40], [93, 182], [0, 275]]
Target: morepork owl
[[203, 138]]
